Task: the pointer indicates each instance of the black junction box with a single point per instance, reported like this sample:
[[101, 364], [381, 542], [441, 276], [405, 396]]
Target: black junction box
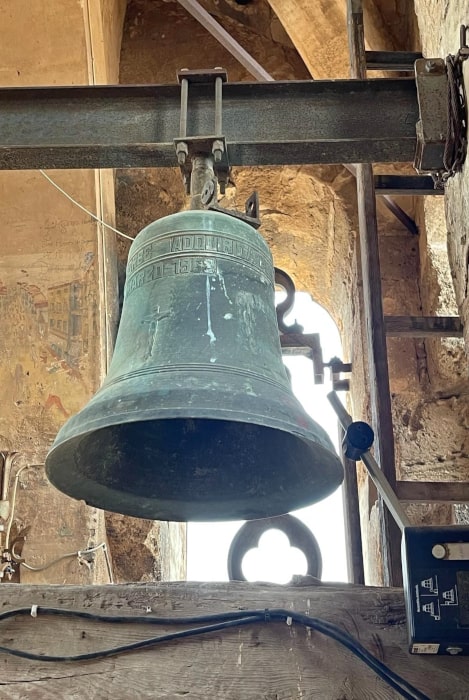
[[435, 562]]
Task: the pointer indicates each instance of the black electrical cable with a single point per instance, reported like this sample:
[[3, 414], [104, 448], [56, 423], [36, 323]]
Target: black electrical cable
[[220, 621]]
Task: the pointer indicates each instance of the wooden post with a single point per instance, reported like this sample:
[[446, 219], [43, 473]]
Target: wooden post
[[266, 660], [373, 310]]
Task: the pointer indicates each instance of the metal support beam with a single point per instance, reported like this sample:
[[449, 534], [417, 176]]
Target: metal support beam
[[225, 39], [391, 60], [373, 311], [423, 326], [276, 123], [353, 533], [400, 214], [406, 185], [433, 491]]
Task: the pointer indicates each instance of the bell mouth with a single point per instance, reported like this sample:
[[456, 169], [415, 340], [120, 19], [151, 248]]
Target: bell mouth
[[184, 469]]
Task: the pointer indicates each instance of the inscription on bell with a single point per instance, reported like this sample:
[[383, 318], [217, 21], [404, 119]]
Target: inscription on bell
[[170, 267], [223, 245]]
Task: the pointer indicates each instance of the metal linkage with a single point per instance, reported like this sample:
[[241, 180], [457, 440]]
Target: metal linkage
[[357, 443]]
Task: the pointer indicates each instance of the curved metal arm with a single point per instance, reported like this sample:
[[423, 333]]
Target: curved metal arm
[[372, 466]]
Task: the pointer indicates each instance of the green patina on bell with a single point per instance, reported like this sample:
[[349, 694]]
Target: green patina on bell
[[196, 419]]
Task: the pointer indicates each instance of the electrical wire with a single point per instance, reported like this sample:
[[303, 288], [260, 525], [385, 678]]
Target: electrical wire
[[216, 622], [78, 553], [13, 500], [80, 206]]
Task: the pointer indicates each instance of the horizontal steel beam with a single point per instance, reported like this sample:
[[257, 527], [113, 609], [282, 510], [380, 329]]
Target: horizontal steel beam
[[423, 326], [433, 491], [278, 123], [391, 60], [406, 185]]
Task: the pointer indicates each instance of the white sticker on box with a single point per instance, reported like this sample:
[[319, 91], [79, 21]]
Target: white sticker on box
[[425, 648]]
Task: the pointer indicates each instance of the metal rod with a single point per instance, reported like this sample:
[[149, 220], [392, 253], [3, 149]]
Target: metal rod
[[218, 106], [221, 35], [373, 469], [183, 117], [400, 214]]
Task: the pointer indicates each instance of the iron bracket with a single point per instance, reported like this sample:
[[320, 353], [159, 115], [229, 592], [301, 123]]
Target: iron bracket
[[432, 127], [282, 279], [187, 147], [337, 367], [251, 211]]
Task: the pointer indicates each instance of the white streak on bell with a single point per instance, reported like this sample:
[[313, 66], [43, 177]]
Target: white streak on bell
[[209, 332]]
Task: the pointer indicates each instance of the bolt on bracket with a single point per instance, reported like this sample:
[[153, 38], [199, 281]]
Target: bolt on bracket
[[188, 147]]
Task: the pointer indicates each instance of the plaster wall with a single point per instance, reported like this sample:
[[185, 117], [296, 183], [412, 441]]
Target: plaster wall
[[59, 307]]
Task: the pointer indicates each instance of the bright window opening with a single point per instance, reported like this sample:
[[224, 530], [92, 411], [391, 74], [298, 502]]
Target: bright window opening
[[208, 543]]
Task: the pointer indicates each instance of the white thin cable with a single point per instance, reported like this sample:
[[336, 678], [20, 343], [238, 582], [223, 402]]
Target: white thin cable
[[80, 554], [80, 206], [13, 500]]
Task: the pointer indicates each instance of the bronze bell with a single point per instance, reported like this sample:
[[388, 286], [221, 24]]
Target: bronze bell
[[196, 419]]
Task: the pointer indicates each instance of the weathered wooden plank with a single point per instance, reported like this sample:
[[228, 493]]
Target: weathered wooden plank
[[433, 491], [268, 660], [373, 310], [423, 326]]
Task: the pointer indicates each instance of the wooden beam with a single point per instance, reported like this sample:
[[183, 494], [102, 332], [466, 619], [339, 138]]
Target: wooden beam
[[423, 326], [433, 491], [373, 311], [266, 660]]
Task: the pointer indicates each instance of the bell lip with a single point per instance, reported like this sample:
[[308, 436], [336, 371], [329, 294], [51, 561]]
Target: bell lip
[[99, 496], [318, 435]]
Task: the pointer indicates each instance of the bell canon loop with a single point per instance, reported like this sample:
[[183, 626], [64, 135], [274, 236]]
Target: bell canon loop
[[196, 419]]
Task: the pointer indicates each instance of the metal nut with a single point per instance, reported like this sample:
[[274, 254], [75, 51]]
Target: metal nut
[[182, 152], [217, 150], [431, 66]]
